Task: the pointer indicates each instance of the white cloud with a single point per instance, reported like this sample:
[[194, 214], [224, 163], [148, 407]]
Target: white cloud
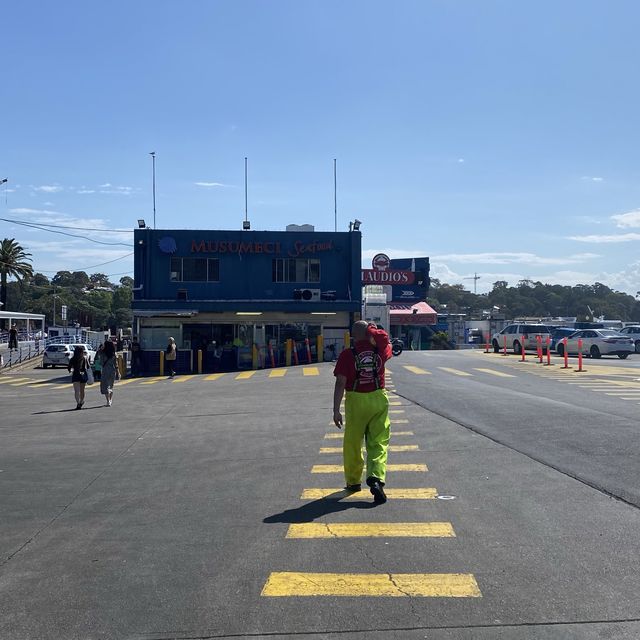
[[629, 219], [106, 185], [460, 160], [592, 178], [211, 184], [607, 239], [49, 188], [119, 190], [85, 191]]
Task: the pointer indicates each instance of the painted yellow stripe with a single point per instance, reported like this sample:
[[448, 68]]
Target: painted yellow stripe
[[338, 468], [63, 386], [307, 530], [426, 585], [182, 379], [427, 493], [393, 448], [214, 376], [278, 373], [310, 371], [492, 372], [10, 380], [396, 411], [22, 384], [395, 421], [153, 380], [395, 404], [455, 372], [245, 375], [339, 436], [416, 370], [40, 384], [622, 393]]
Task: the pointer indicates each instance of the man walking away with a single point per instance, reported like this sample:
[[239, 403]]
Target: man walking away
[[13, 338], [360, 372], [136, 357]]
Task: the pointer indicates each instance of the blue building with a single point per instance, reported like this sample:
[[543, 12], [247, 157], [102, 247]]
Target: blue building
[[240, 288]]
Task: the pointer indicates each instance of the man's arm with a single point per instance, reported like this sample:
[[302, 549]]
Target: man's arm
[[338, 392], [380, 339]]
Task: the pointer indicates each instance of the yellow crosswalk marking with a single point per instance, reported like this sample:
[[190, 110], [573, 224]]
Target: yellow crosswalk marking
[[40, 384], [416, 370], [214, 376], [394, 421], [278, 373], [120, 383], [63, 386], [393, 448], [338, 468], [427, 493], [310, 371], [396, 411], [455, 372], [395, 404], [182, 379], [305, 530], [21, 384], [245, 375], [494, 373], [339, 436], [427, 585], [11, 379]]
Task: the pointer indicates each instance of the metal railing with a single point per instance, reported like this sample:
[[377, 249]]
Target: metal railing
[[12, 357]]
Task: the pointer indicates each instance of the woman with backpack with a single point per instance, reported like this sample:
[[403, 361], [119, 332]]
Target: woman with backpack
[[109, 371], [79, 368]]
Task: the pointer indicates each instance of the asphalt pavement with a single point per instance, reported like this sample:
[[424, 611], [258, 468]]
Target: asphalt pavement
[[192, 508]]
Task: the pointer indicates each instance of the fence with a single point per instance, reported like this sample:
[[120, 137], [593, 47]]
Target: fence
[[12, 357]]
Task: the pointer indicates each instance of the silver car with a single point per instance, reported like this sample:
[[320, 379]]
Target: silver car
[[633, 332], [57, 355], [598, 342]]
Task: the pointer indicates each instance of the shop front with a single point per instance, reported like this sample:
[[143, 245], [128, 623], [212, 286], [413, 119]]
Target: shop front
[[238, 296]]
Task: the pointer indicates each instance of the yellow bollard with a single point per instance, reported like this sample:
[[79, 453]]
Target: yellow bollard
[[199, 360], [320, 348], [121, 366], [287, 352], [254, 357], [347, 340], [162, 363]]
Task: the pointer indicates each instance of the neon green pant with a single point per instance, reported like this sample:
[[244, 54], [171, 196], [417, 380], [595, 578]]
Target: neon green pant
[[367, 418]]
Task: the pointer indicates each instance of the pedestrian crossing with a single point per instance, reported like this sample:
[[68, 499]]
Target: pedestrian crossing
[[289, 583]]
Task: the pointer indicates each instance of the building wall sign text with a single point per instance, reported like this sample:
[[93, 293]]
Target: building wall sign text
[[273, 248]]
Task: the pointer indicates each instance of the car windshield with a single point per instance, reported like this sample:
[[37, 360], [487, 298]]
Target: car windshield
[[56, 347], [608, 332]]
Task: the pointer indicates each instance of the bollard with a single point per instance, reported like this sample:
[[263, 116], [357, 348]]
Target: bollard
[[287, 352], [296, 361], [162, 363], [566, 354], [320, 348], [271, 356], [548, 364], [308, 349], [347, 340], [254, 356], [579, 369], [504, 352], [199, 360], [121, 367], [486, 344], [539, 348], [522, 349]]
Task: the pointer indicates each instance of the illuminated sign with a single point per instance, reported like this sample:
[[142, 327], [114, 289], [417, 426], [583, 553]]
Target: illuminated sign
[[381, 274]]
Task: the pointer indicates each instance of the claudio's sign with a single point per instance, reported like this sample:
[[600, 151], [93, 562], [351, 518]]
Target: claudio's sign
[[382, 273]]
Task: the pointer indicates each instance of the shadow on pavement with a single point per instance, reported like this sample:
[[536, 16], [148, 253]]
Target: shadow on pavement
[[42, 413], [312, 510]]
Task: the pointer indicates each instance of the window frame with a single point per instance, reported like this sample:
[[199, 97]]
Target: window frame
[[208, 269], [296, 270]]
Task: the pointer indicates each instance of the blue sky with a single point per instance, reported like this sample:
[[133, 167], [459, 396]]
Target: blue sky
[[495, 137]]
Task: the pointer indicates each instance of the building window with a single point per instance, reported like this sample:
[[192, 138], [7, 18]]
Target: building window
[[194, 270], [295, 270]]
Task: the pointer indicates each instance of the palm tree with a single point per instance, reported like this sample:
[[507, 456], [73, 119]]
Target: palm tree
[[14, 261]]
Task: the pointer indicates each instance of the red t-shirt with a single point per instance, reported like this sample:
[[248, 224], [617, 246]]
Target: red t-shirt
[[346, 365]]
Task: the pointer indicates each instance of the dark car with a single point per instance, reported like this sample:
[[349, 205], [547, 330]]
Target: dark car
[[557, 333]]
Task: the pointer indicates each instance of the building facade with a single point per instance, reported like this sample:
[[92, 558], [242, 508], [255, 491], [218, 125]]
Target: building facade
[[230, 290]]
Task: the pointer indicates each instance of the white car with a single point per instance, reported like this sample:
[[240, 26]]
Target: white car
[[598, 342], [633, 332], [521, 334], [58, 355]]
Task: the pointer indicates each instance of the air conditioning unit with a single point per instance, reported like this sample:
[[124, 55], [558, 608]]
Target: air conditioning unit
[[308, 295]]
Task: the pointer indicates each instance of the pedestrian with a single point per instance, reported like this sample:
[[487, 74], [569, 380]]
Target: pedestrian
[[13, 337], [170, 355], [79, 363], [109, 362], [360, 372], [136, 357], [97, 362]]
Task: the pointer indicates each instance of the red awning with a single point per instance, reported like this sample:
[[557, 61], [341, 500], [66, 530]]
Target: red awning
[[417, 314]]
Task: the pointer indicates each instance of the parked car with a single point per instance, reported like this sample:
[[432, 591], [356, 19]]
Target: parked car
[[58, 355], [557, 333], [599, 342], [519, 335], [633, 332]]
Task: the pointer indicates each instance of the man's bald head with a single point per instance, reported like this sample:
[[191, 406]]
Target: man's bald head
[[359, 330]]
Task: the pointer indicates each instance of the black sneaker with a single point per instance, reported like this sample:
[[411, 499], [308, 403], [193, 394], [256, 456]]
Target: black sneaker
[[376, 487], [354, 488]]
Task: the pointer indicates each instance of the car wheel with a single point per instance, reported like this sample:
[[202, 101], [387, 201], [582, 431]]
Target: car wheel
[[594, 352], [517, 348], [496, 347], [623, 356], [560, 350]]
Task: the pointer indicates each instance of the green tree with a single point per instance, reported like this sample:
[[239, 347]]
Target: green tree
[[14, 263]]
